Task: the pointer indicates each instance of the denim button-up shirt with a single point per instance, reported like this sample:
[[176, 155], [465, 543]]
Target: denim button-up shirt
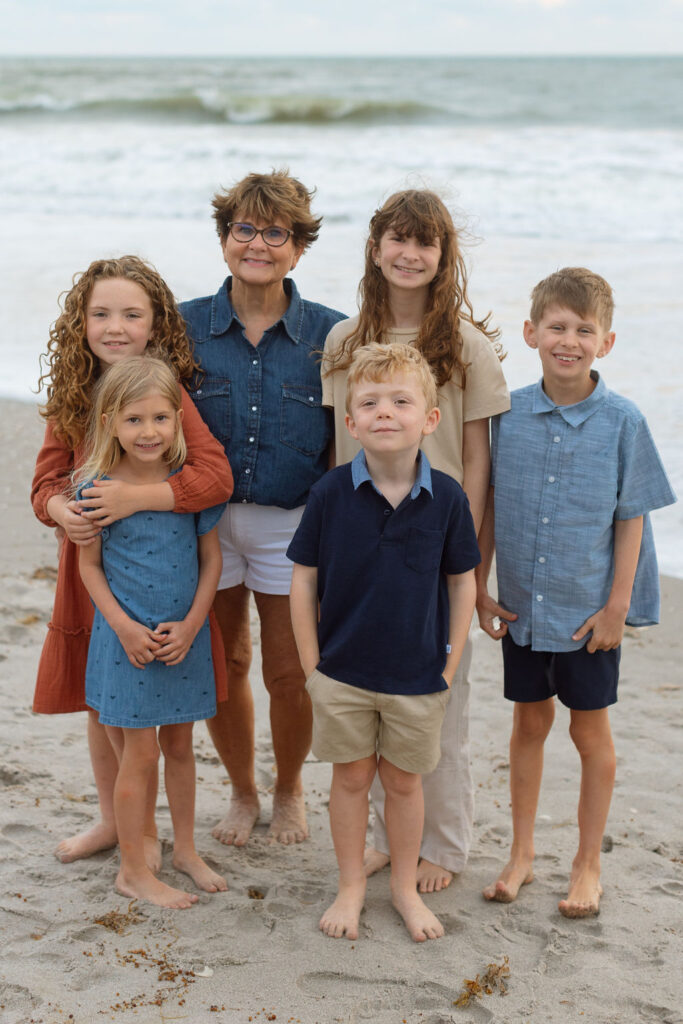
[[264, 402], [562, 476]]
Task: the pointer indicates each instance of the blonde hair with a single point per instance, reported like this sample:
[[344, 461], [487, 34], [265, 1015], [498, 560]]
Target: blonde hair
[[379, 363], [575, 288], [422, 214], [72, 369], [120, 385], [269, 197]]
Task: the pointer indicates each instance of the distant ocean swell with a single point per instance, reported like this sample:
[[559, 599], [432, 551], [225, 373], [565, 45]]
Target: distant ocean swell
[[213, 105], [236, 109]]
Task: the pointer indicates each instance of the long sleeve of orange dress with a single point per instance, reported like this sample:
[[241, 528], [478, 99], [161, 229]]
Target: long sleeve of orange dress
[[204, 480]]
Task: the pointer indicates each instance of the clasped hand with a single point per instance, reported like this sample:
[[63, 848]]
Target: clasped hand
[[169, 642]]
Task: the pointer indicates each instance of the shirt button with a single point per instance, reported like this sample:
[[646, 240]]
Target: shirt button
[[198, 391], [247, 470], [253, 408], [311, 398], [556, 439], [551, 479], [254, 362], [542, 559], [387, 511], [244, 501], [539, 597], [545, 519], [251, 439]]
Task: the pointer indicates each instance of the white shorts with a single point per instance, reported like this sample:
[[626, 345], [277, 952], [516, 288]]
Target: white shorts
[[254, 539]]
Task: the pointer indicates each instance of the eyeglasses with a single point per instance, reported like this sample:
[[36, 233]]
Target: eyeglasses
[[273, 235]]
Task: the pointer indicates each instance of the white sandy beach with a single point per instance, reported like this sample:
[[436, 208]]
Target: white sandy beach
[[255, 952]]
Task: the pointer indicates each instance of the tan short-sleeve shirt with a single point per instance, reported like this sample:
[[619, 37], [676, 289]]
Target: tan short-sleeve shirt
[[485, 394]]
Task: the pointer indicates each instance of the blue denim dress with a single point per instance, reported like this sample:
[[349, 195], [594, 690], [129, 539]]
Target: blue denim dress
[[150, 562]]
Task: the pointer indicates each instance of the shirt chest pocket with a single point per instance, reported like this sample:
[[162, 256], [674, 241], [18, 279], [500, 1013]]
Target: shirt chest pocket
[[304, 422], [593, 481], [424, 549], [212, 399]]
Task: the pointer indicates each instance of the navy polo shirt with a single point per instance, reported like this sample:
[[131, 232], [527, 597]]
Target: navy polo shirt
[[382, 575]]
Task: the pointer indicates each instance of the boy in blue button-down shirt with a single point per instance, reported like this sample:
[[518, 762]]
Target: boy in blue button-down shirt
[[386, 547], [574, 472]]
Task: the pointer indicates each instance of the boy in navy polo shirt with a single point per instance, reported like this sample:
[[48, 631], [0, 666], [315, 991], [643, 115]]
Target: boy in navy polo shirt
[[386, 548], [574, 473]]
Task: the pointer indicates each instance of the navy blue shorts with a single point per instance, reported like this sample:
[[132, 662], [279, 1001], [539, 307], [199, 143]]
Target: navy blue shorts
[[582, 681]]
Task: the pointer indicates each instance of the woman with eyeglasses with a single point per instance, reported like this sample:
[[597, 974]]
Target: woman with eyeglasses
[[258, 344]]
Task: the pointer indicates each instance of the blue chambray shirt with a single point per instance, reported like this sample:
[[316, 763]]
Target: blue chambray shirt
[[264, 402], [562, 475]]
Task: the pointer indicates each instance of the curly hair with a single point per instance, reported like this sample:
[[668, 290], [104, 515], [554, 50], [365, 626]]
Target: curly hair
[[72, 370], [421, 214], [269, 197], [380, 363]]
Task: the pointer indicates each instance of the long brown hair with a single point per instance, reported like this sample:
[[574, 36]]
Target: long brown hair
[[72, 369], [419, 213]]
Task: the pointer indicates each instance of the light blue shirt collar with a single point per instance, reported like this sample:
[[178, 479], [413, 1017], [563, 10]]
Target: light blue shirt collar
[[360, 474], [576, 414]]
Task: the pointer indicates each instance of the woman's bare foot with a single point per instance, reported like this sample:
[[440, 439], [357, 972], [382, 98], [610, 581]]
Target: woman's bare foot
[[584, 895], [152, 853], [101, 836], [199, 871], [514, 875], [417, 916], [431, 877], [342, 918], [235, 828], [374, 861], [144, 886], [288, 824]]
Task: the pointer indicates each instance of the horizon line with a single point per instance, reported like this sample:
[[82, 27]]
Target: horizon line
[[265, 55]]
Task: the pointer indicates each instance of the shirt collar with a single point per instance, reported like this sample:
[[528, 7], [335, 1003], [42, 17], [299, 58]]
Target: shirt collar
[[360, 474], [223, 313], [576, 414]]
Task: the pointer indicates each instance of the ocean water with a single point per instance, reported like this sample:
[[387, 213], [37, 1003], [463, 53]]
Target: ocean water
[[545, 162]]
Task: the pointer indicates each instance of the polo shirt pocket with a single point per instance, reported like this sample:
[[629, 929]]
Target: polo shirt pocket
[[212, 399], [424, 549], [304, 422]]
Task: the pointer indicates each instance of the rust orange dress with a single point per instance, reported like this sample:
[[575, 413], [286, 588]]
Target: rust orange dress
[[204, 480]]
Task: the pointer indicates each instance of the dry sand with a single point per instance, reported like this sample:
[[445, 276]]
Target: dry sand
[[266, 959]]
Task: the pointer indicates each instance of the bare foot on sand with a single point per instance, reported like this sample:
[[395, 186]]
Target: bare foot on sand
[[341, 919], [289, 818], [100, 837], [199, 871], [417, 917], [584, 894], [374, 860], [152, 853], [514, 875], [145, 886], [431, 877], [235, 828]]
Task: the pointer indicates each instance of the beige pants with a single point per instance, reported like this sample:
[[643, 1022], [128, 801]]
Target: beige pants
[[448, 790]]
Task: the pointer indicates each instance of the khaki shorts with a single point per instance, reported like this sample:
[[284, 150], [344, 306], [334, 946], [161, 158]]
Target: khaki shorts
[[350, 723]]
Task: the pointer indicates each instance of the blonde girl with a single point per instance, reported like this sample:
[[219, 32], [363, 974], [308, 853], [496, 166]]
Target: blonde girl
[[152, 577], [414, 291], [115, 309]]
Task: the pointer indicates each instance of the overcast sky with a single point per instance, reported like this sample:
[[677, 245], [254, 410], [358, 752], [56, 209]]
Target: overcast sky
[[227, 27]]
